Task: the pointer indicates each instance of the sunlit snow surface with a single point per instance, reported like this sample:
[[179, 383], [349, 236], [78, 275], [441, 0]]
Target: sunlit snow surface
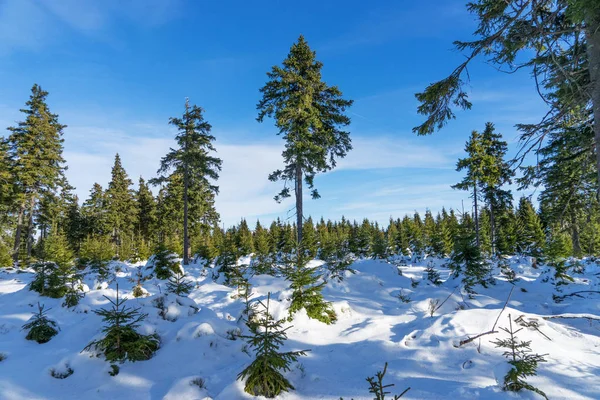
[[373, 327]]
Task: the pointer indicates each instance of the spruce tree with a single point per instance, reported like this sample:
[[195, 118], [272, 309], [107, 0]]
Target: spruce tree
[[309, 239], [146, 208], [264, 375], [35, 148], [307, 286], [309, 115], [530, 234], [178, 284], [193, 161], [121, 212], [497, 173], [40, 327], [94, 213], [467, 259], [244, 241], [523, 362], [121, 341]]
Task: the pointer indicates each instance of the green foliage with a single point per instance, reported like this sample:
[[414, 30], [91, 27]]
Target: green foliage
[[306, 291], [165, 263], [121, 341], [467, 259], [264, 375], [530, 234], [114, 370], [67, 372], [35, 148], [523, 362], [41, 328], [432, 275], [179, 284], [121, 209], [73, 294], [191, 169], [97, 252]]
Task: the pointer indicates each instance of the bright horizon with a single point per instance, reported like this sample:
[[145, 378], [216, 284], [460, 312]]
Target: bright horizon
[[116, 73]]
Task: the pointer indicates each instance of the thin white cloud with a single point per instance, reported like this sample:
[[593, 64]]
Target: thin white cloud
[[388, 152]]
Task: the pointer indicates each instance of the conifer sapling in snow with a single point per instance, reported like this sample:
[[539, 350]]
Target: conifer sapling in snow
[[521, 358], [121, 341], [264, 375], [179, 285], [41, 328], [304, 281], [165, 263]]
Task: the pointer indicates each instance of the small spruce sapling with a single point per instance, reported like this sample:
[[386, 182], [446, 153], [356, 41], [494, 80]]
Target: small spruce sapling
[[41, 328], [74, 293], [307, 292], [165, 263], [432, 275], [121, 341], [524, 363], [179, 285], [264, 375]]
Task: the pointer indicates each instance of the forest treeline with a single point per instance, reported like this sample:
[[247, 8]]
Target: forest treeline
[[129, 222]]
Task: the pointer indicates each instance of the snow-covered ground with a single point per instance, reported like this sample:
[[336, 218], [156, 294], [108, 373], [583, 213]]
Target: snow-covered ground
[[373, 327]]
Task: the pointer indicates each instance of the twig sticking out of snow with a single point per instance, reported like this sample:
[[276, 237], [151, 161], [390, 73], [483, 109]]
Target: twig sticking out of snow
[[491, 331]]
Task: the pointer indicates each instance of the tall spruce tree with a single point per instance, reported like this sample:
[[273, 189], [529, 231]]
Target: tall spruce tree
[[308, 114], [475, 165], [497, 173], [193, 161], [36, 147], [530, 234], [146, 208], [121, 212]]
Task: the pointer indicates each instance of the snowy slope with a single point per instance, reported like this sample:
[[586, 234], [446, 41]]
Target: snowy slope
[[373, 327]]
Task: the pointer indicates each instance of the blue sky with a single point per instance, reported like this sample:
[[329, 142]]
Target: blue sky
[[116, 71]]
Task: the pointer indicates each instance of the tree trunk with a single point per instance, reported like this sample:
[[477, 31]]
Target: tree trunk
[[592, 33], [186, 241], [492, 228], [476, 214], [575, 236], [18, 233], [299, 203], [30, 227]]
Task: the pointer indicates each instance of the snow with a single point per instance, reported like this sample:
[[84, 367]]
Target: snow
[[200, 337]]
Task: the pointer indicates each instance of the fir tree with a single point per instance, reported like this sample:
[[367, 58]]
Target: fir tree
[[264, 375], [41, 328], [146, 208], [94, 213], [530, 234], [165, 262], [309, 239], [121, 210], [193, 161], [308, 114], [121, 341], [475, 164], [306, 291], [179, 285], [96, 253], [523, 362], [244, 241], [37, 164], [467, 259], [380, 245]]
